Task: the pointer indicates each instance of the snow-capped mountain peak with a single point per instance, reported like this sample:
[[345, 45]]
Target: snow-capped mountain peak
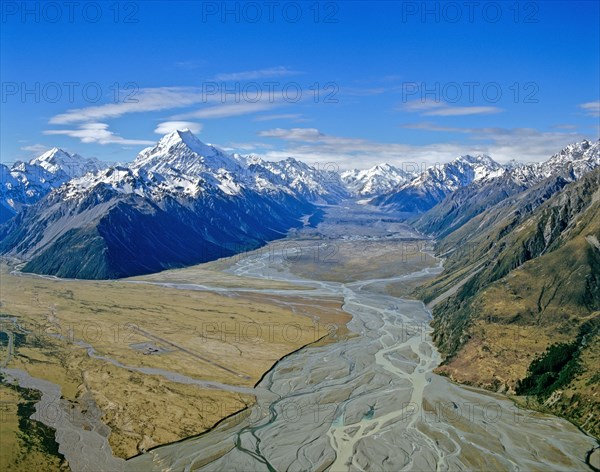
[[51, 158], [314, 184], [431, 186], [25, 183], [577, 159], [571, 162], [460, 172], [183, 151], [378, 179], [180, 165], [188, 138], [480, 160], [56, 161]]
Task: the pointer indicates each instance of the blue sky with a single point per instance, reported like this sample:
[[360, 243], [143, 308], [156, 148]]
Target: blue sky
[[396, 82]]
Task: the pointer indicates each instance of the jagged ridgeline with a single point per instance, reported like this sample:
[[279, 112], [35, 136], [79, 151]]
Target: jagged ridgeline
[[24, 183], [527, 317], [180, 202], [183, 202]]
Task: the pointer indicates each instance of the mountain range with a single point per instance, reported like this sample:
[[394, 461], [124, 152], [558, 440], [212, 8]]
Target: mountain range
[[24, 183], [427, 189], [190, 201], [523, 250], [73, 217], [516, 309], [377, 180], [458, 207]]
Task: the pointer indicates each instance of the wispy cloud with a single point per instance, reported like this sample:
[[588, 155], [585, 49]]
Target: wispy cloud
[[246, 147], [294, 134], [96, 133], [364, 91], [591, 108], [429, 126], [170, 126], [167, 98], [318, 148], [503, 144], [463, 111], [279, 71], [420, 105], [226, 110], [35, 148], [144, 100], [288, 116], [441, 108], [511, 143], [91, 126], [372, 86]]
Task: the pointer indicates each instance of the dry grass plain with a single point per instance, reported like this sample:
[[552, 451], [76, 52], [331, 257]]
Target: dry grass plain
[[228, 338]]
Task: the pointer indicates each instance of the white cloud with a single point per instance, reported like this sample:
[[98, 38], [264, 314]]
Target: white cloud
[[463, 111], [420, 105], [36, 148], [313, 146], [226, 110], [441, 108], [96, 133], [279, 71], [591, 108], [294, 134], [148, 99], [526, 144], [91, 128], [246, 147], [364, 92], [429, 126], [565, 126], [288, 116], [503, 144], [167, 127]]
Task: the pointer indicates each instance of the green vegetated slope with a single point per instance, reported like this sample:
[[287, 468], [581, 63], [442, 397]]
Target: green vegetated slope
[[528, 321]]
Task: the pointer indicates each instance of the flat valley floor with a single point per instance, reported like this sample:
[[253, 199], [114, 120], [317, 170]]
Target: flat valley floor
[[301, 355]]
